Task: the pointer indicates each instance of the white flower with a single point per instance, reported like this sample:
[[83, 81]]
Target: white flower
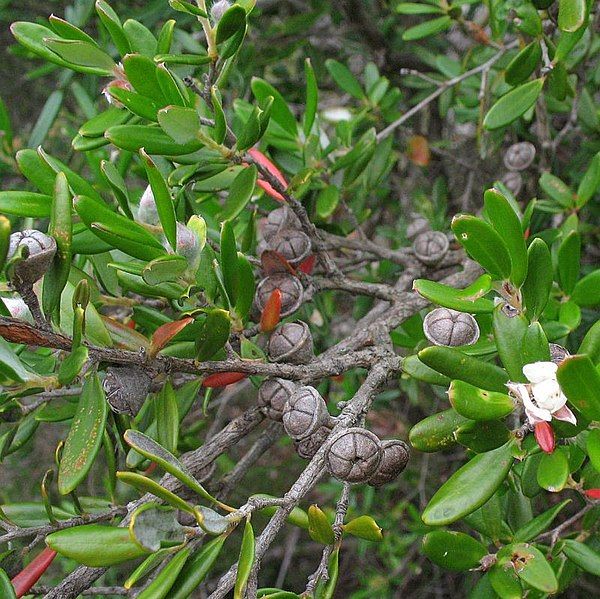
[[542, 398]]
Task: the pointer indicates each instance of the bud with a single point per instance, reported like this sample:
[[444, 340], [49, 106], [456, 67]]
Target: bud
[[394, 457], [40, 251], [418, 150], [288, 285], [271, 314], [519, 156], [218, 10], [188, 246], [304, 413], [147, 210], [443, 326], [126, 389], [430, 247], [592, 493], [17, 308], [307, 266], [291, 342], [544, 435], [273, 394], [222, 379], [354, 455]]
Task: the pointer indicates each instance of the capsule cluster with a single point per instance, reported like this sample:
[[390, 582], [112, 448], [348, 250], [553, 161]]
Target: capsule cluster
[[355, 455]]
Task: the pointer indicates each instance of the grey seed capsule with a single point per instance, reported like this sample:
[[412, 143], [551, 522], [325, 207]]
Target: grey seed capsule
[[126, 389], [354, 455], [291, 289], [519, 156], [304, 413], [430, 247], [291, 342], [273, 395], [293, 245], [558, 353], [280, 218], [306, 448], [41, 250], [443, 326], [395, 456], [513, 181]]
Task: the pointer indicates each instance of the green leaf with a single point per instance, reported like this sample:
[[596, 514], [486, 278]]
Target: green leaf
[[85, 436], [163, 269], [483, 244], [61, 229], [553, 471], [6, 588], [280, 111], [540, 523], [72, 365], [453, 550], [187, 7], [557, 190], [117, 230], [589, 183], [196, 568], [538, 283], [46, 119], [160, 587], [36, 170], [111, 21], [240, 193], [117, 185], [482, 435], [572, 14], [327, 201], [247, 287], [162, 197], [456, 365], [319, 527], [470, 299], [592, 446], [152, 139], [580, 381], [11, 365], [220, 128], [569, 257], [231, 23], [165, 37], [505, 221], [344, 78], [427, 28], [436, 432], [147, 485], [151, 450], [478, 404], [312, 97], [582, 555], [140, 38], [245, 562], [169, 87], [153, 526], [167, 418], [327, 591], [82, 54], [413, 8], [534, 346], [508, 334], [181, 124], [251, 131], [134, 102], [412, 366], [98, 124], [523, 64], [229, 262], [504, 583], [25, 204], [364, 527], [95, 545], [513, 104], [469, 487], [213, 335], [590, 345], [530, 565]]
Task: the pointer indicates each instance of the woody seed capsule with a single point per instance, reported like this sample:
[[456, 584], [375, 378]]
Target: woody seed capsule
[[273, 395], [304, 413], [519, 156], [443, 326], [293, 245], [513, 181], [430, 247], [306, 448], [126, 389], [558, 353], [41, 249], [291, 342], [278, 219], [354, 455], [394, 457], [291, 292]]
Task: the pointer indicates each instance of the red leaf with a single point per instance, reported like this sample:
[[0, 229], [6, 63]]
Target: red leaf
[[307, 266], [222, 379], [544, 435], [272, 262], [418, 150], [32, 572], [166, 332], [263, 161], [271, 314]]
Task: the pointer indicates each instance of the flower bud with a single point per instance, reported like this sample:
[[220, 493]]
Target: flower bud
[[218, 10], [304, 413], [394, 457], [443, 326], [222, 379], [188, 246], [354, 455], [18, 308], [430, 247], [291, 342], [273, 395], [40, 252], [544, 435], [592, 493], [147, 210]]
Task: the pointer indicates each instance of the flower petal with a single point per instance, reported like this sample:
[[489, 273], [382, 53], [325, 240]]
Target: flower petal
[[536, 372], [548, 395], [565, 414]]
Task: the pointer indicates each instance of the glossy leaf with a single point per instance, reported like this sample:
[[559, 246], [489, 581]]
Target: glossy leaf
[[483, 244], [181, 124], [427, 28], [364, 527], [557, 190], [593, 448], [591, 343], [245, 561], [582, 555], [231, 23], [580, 381], [470, 299], [572, 14], [240, 193], [586, 291], [312, 97], [530, 565], [167, 417], [513, 104], [6, 588], [246, 288], [453, 550], [153, 526], [508, 334], [118, 187], [344, 78], [113, 25], [523, 64], [85, 436], [540, 523], [319, 528], [569, 256], [160, 587], [213, 335], [538, 283], [469, 487], [152, 139], [478, 404], [436, 432], [229, 262], [280, 111], [25, 204], [553, 471]]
